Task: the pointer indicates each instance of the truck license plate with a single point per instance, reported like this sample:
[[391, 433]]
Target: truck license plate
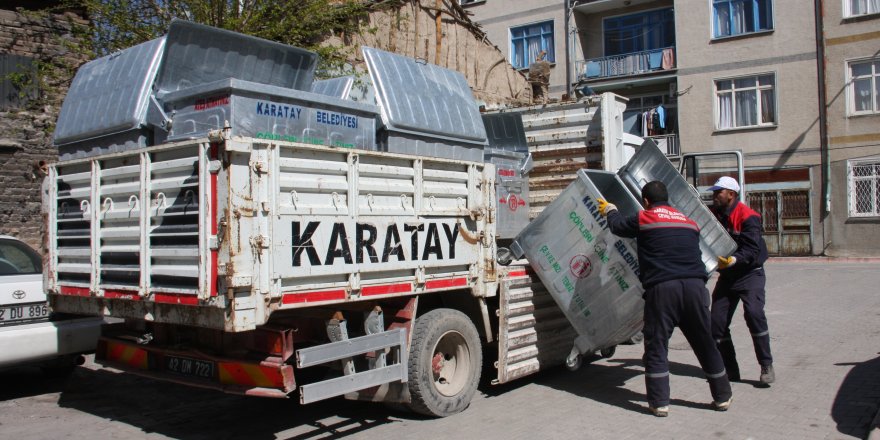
[[23, 312], [190, 367]]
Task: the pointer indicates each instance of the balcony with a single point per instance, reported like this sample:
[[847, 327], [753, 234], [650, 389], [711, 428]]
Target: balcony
[[629, 64], [667, 143]]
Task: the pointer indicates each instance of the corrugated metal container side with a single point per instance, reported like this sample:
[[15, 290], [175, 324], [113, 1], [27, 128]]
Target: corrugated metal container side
[[269, 112], [591, 273], [105, 109], [198, 54], [419, 145], [425, 103]]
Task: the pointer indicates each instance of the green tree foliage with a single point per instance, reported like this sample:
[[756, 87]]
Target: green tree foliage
[[118, 24]]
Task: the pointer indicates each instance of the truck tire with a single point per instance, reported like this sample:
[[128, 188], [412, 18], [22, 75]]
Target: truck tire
[[445, 361]]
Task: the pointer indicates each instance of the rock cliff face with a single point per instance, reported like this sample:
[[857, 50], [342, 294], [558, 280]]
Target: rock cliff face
[[455, 43]]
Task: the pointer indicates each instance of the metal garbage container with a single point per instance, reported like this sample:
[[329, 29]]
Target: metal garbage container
[[593, 274]]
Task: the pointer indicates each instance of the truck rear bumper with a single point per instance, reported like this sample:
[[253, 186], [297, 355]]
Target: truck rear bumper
[[28, 343], [269, 377]]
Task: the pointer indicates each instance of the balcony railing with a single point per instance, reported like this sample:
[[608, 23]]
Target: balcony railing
[[667, 143], [633, 63]]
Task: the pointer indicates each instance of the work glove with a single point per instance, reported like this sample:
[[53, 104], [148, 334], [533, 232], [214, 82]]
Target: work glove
[[605, 207], [725, 262]]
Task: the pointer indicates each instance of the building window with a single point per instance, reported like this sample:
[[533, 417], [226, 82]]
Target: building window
[[855, 8], [864, 87], [737, 17], [863, 185], [639, 32], [749, 101], [526, 42], [470, 2]]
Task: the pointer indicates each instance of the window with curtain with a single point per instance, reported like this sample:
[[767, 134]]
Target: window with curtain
[[864, 87], [639, 32], [863, 187], [527, 41], [748, 101], [737, 17], [855, 8]]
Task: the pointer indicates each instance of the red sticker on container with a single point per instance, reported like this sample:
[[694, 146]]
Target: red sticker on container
[[580, 266]]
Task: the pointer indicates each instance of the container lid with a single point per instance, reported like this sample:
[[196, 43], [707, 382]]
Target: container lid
[[649, 164], [110, 94], [198, 54], [338, 87], [420, 98], [505, 131]]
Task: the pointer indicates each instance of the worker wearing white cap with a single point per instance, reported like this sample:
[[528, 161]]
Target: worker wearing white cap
[[741, 278]]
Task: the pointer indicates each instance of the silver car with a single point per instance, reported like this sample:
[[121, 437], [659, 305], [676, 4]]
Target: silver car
[[29, 333]]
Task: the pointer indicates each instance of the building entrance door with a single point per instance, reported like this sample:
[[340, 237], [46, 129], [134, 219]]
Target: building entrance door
[[786, 218]]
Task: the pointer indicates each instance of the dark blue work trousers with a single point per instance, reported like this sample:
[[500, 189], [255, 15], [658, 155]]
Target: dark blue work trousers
[[684, 304], [726, 296]]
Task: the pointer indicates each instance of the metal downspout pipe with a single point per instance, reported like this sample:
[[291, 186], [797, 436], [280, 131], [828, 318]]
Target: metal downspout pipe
[[823, 121], [568, 48]]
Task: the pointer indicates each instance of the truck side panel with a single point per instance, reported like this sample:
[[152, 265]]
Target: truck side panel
[[222, 234]]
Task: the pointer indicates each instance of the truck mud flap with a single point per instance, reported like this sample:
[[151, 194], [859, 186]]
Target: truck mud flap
[[343, 349]]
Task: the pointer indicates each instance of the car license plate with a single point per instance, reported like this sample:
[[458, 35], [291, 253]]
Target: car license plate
[[23, 312], [190, 367]]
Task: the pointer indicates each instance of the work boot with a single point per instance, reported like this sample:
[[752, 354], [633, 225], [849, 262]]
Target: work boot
[[767, 375], [722, 406], [660, 411]]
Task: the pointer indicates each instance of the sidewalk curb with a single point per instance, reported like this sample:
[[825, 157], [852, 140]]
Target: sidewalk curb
[[823, 259]]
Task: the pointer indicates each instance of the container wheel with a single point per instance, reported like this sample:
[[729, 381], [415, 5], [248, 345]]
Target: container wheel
[[445, 361], [573, 361], [608, 352], [503, 256], [637, 338]]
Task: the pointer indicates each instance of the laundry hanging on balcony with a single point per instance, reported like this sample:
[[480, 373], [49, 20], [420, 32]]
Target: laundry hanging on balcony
[[653, 121], [668, 59]]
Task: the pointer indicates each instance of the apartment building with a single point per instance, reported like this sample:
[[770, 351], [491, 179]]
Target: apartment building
[[734, 75], [522, 29], [851, 36]]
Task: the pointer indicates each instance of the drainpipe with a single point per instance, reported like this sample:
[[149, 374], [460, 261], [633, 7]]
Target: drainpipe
[[823, 117], [568, 46]]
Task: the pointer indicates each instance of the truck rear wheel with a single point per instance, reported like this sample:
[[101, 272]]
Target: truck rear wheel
[[445, 361]]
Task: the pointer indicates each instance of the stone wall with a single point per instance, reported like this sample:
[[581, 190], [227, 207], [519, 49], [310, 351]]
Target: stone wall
[[25, 131]]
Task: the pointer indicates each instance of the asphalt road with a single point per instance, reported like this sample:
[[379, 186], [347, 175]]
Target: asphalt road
[[825, 332]]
